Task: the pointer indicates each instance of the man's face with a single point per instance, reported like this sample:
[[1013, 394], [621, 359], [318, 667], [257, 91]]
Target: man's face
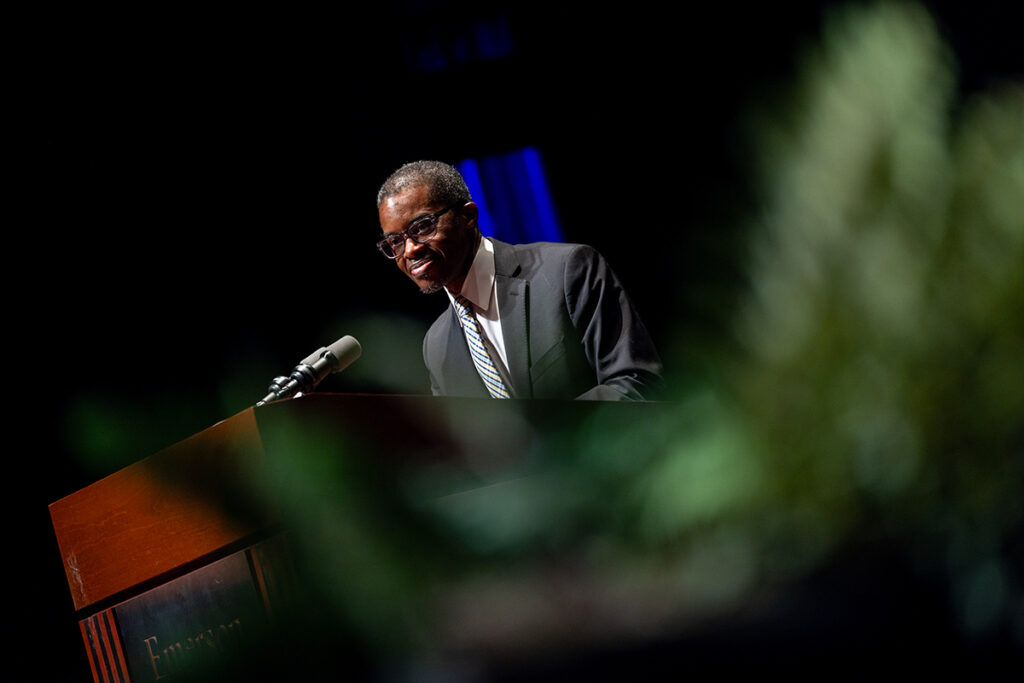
[[445, 258]]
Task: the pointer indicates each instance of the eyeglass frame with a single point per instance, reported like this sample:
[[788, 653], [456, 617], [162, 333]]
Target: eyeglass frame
[[431, 218]]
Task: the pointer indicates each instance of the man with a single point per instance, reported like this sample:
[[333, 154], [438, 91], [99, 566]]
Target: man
[[540, 320]]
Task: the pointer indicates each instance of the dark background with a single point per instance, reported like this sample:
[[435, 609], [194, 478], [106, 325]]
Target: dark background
[[194, 194]]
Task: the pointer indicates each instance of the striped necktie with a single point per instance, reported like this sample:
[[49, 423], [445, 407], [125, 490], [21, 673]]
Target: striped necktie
[[481, 359]]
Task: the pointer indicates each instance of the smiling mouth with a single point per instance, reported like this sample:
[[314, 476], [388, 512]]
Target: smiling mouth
[[419, 266]]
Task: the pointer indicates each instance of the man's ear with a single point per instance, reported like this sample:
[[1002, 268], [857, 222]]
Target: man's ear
[[471, 213]]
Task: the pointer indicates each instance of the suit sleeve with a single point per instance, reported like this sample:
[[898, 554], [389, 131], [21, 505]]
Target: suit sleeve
[[614, 339], [435, 388]]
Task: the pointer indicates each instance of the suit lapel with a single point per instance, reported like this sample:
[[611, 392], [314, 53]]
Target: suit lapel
[[461, 377], [513, 304]]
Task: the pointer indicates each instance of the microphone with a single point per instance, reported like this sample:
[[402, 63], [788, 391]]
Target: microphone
[[311, 371]]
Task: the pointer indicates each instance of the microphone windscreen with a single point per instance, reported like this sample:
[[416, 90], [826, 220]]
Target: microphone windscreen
[[346, 350]]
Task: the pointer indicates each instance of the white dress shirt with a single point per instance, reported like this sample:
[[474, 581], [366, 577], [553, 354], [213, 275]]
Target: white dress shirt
[[479, 289]]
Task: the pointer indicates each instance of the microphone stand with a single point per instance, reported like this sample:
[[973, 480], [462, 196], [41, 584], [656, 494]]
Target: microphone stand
[[312, 370]]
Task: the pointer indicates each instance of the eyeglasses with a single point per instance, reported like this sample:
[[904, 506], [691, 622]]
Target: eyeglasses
[[421, 231]]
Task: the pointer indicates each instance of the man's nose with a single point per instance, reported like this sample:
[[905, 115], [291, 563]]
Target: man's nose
[[411, 247]]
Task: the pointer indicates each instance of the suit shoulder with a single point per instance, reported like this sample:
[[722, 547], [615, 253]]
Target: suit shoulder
[[552, 247], [547, 255]]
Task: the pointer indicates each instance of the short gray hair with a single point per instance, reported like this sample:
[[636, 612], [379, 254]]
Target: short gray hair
[[445, 183]]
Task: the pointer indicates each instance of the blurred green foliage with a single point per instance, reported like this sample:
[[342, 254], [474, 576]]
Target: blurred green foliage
[[884, 373]]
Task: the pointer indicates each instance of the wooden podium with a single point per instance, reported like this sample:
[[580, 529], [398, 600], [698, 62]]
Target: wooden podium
[[143, 546], [181, 557]]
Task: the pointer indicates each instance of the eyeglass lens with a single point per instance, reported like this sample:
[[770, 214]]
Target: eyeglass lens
[[419, 232]]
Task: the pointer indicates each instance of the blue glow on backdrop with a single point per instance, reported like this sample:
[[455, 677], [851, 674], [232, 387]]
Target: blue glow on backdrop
[[471, 174], [512, 196]]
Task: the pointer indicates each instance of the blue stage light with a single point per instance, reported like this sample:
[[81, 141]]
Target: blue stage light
[[512, 196]]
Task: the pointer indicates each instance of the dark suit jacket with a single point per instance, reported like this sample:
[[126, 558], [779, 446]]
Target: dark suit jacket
[[570, 330]]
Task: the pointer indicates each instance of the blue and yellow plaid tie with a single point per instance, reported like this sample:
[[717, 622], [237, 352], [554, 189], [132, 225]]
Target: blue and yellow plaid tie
[[481, 359]]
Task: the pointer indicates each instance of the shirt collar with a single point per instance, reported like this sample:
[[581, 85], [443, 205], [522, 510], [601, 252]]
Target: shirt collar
[[479, 282]]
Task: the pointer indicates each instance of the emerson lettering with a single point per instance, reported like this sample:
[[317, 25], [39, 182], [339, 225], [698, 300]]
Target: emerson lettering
[[192, 651]]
